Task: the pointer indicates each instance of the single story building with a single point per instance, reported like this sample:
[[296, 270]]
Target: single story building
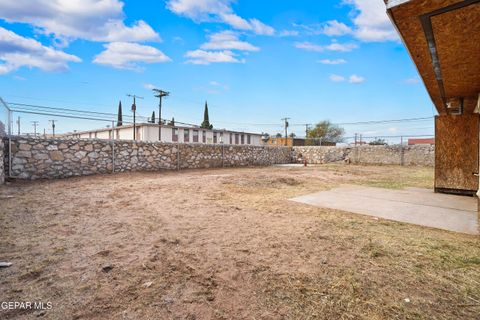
[[172, 134], [421, 141]]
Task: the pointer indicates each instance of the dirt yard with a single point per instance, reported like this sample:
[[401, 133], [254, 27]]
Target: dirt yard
[[227, 244]]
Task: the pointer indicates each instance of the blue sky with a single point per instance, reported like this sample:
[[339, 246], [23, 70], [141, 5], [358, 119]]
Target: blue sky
[[254, 61]]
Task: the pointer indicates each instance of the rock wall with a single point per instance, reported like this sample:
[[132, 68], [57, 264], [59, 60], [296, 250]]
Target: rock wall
[[60, 158], [420, 155], [2, 161]]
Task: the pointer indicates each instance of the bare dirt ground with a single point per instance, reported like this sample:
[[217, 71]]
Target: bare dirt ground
[[227, 244]]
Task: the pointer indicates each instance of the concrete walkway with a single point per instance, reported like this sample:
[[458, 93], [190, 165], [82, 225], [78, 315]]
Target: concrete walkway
[[417, 206]]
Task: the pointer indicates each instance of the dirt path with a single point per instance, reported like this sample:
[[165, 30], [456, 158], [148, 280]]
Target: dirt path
[[227, 244]]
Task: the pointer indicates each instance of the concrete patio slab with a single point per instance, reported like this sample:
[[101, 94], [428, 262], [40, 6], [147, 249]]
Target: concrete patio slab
[[413, 205]]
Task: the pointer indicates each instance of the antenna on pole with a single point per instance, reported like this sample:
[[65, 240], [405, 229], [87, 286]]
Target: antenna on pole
[[134, 109], [160, 94]]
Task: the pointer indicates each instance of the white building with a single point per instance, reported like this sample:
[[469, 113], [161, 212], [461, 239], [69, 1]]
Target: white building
[[150, 132]]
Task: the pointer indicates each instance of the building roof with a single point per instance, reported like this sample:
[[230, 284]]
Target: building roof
[[412, 142], [130, 125], [443, 39]]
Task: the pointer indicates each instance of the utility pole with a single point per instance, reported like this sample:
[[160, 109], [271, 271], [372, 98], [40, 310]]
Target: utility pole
[[18, 125], [307, 128], [160, 94], [35, 124], [286, 130], [53, 126], [134, 110]]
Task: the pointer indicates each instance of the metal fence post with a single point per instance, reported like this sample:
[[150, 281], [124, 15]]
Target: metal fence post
[[113, 146]]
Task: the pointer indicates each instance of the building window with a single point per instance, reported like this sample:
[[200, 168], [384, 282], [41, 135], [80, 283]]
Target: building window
[[249, 139], [236, 138], [231, 142], [204, 136], [195, 135], [186, 135], [214, 137], [174, 134], [118, 133], [221, 137], [243, 139]]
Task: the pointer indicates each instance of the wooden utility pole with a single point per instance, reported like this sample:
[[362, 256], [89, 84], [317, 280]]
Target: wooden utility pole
[[53, 126], [134, 110], [307, 128], [160, 94], [35, 124]]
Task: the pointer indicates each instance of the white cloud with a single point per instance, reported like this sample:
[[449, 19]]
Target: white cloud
[[335, 28], [92, 20], [149, 86], [227, 40], [127, 55], [208, 57], [336, 78], [334, 46], [217, 11], [332, 62], [412, 81], [356, 79], [308, 46], [392, 130], [371, 21], [17, 51], [288, 33], [260, 28], [352, 79], [341, 47]]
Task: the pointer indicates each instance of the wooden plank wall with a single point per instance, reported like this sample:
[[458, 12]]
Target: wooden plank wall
[[456, 153]]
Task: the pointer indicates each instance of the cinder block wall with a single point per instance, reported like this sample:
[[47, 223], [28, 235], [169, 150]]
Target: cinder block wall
[[420, 155], [60, 158]]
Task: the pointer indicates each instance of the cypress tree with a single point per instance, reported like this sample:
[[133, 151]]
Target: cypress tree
[[206, 122], [120, 117], [153, 117]]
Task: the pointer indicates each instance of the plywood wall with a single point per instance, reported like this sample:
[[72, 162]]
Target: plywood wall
[[456, 153]]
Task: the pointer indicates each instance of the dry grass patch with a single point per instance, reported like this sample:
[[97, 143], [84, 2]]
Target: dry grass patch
[[227, 244]]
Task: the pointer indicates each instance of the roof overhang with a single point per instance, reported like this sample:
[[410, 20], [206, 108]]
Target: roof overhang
[[443, 39]]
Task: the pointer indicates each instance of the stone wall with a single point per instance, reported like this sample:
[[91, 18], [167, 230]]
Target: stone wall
[[2, 158], [59, 158], [420, 155]]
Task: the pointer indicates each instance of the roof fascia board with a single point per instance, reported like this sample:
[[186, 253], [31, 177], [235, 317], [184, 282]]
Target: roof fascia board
[[394, 3]]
